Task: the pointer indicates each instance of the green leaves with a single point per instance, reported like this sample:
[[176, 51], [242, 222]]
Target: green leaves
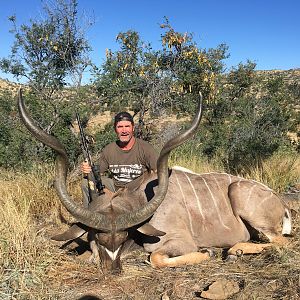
[[47, 51]]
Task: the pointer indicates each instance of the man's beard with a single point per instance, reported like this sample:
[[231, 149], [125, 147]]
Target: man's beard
[[124, 142], [125, 139]]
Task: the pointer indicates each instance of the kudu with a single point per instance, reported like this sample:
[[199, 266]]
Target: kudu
[[181, 211]]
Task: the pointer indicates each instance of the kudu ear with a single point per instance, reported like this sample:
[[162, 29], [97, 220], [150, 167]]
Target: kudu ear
[[74, 232], [148, 229]]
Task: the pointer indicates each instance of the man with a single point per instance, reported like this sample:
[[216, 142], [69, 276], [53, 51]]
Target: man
[[127, 159]]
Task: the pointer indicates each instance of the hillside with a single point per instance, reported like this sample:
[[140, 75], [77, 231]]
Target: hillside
[[99, 120], [289, 76], [292, 75], [8, 85]]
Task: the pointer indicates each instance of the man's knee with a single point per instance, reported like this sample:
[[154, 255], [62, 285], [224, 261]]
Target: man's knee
[[108, 183]]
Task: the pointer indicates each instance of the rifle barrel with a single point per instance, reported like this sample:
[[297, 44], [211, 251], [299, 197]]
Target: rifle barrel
[[88, 157]]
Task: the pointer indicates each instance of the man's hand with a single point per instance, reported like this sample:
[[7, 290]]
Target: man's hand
[[85, 168]]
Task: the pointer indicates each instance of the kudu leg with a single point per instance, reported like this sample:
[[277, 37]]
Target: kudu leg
[[161, 260], [248, 248], [254, 248], [95, 257]]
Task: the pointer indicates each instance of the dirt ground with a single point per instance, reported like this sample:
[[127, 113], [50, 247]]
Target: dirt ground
[[273, 274]]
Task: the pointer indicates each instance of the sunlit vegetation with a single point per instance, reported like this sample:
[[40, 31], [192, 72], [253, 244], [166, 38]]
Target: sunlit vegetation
[[250, 128]]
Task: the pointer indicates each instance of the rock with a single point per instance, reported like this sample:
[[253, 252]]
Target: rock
[[221, 289], [165, 296]]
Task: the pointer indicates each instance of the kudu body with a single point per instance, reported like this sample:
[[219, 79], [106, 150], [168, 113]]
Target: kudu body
[[187, 211]]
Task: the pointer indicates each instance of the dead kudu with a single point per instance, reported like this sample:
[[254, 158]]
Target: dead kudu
[[177, 211]]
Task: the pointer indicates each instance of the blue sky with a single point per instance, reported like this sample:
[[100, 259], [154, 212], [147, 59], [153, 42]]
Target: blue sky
[[264, 31]]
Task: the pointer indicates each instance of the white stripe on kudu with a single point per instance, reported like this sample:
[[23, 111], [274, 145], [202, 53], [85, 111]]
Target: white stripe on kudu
[[215, 203], [185, 204]]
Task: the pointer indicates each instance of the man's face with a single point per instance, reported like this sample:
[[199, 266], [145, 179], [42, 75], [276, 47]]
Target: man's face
[[124, 131]]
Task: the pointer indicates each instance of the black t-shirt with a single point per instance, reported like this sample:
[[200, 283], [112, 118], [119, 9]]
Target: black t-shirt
[[127, 165]]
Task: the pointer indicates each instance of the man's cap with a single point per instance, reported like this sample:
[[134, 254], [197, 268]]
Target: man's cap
[[123, 116]]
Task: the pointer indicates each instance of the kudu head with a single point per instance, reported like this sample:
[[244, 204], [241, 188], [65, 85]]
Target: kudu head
[[110, 225]]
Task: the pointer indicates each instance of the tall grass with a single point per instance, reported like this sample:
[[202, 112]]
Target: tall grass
[[195, 164], [279, 172], [25, 253]]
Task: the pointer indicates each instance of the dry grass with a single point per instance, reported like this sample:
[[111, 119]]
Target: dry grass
[[33, 267], [273, 274], [279, 172], [195, 164], [25, 252]]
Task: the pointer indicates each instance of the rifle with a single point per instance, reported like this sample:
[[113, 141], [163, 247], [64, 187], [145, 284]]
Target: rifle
[[87, 156]]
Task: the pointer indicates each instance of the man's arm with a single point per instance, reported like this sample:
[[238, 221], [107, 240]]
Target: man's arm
[[102, 165]]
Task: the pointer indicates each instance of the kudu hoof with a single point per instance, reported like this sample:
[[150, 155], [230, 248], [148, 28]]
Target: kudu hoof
[[231, 258], [211, 252]]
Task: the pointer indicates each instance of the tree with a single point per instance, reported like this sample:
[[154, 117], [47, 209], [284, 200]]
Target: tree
[[50, 54], [249, 119], [158, 81], [46, 52]]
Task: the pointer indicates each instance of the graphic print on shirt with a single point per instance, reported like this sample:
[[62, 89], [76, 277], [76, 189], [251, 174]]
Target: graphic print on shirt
[[126, 173]]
